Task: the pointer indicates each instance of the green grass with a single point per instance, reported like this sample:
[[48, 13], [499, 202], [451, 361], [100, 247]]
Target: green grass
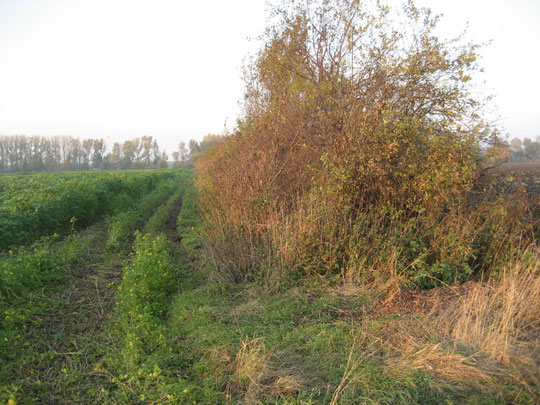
[[189, 221], [286, 347], [31, 302]]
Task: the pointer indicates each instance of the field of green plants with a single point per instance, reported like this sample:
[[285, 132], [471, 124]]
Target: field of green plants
[[64, 240], [36, 205]]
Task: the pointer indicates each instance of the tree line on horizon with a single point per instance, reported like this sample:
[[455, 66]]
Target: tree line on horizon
[[525, 150], [22, 153]]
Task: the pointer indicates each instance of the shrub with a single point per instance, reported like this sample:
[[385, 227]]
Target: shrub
[[361, 145]]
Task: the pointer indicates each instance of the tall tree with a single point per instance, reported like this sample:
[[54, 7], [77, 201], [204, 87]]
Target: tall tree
[[116, 156], [155, 152], [183, 151], [86, 151], [147, 142]]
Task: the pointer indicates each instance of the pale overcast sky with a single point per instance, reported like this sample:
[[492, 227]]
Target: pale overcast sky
[[118, 69]]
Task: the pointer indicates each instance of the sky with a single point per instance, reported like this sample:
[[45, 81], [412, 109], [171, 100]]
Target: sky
[[118, 69]]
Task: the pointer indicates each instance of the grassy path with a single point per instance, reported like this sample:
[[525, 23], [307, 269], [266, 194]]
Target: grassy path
[[138, 328], [71, 336], [85, 311], [78, 326]]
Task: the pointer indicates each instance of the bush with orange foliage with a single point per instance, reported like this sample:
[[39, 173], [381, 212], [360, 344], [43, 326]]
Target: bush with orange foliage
[[360, 141]]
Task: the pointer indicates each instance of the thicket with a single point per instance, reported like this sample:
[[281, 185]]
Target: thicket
[[361, 153]]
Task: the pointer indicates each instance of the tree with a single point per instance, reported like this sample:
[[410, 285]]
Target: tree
[[3, 155], [515, 144], [337, 88], [155, 153], [128, 153], [194, 147], [74, 154], [116, 156], [531, 149], [39, 153], [146, 142], [183, 151], [99, 151], [87, 146]]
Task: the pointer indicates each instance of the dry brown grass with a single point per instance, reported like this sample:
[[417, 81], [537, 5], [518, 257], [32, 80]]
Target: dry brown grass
[[501, 319], [254, 376], [250, 367], [409, 345], [483, 338], [286, 385]]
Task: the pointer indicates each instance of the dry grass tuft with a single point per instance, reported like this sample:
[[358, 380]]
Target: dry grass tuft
[[253, 375], [409, 344], [286, 385], [501, 319], [250, 367], [486, 335], [462, 371]]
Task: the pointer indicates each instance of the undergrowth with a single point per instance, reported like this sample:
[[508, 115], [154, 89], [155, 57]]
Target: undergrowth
[[179, 335]]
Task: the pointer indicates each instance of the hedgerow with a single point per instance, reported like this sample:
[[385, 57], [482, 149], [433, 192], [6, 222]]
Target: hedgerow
[[361, 153]]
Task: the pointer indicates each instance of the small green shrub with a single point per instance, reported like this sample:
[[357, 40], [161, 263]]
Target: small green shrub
[[31, 268], [143, 302]]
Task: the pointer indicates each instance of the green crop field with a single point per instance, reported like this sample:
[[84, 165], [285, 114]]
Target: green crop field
[[36, 205], [64, 238]]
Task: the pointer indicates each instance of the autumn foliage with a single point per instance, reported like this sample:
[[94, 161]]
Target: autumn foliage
[[358, 153]]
